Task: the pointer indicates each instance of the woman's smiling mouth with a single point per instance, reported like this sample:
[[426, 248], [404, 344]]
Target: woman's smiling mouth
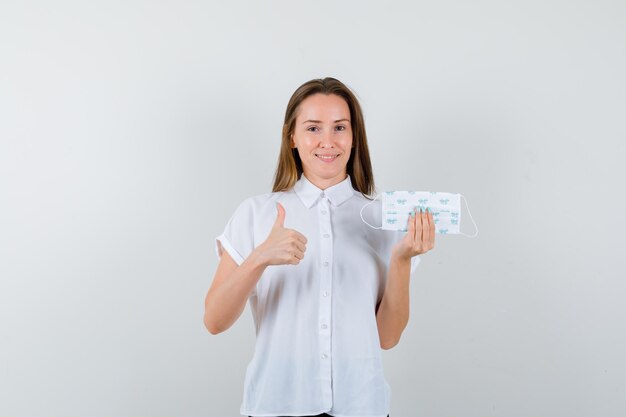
[[327, 157]]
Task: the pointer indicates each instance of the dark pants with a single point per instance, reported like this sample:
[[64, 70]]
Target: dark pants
[[319, 415]]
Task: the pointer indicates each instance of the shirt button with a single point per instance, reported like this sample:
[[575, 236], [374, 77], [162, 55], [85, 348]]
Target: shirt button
[[325, 264], [322, 195], [326, 235], [324, 212], [324, 326], [324, 356], [325, 293]]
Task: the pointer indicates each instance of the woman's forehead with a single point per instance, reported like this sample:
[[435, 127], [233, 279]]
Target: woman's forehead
[[324, 108]]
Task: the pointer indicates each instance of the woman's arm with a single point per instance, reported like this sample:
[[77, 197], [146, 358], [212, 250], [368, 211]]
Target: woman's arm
[[392, 315], [230, 290], [233, 284]]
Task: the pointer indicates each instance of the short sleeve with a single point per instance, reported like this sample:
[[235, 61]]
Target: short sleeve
[[388, 239], [237, 238], [414, 262]]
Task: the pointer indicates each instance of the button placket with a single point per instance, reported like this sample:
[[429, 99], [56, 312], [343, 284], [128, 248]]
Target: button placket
[[325, 299]]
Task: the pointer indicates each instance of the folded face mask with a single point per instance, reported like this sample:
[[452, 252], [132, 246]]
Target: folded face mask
[[445, 207]]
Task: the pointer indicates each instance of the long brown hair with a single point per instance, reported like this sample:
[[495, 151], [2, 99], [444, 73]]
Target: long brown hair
[[359, 166]]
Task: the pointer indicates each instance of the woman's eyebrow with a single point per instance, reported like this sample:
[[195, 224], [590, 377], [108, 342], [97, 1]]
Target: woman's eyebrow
[[319, 121]]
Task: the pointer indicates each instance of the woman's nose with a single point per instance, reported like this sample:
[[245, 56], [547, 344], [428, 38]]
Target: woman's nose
[[326, 139]]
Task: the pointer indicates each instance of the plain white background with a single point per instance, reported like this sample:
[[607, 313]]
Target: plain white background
[[131, 130]]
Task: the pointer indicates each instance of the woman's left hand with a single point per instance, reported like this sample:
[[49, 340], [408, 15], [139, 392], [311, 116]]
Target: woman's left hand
[[419, 238]]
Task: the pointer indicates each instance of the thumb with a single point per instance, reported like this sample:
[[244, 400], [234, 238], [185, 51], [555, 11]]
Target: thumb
[[411, 224], [280, 216]]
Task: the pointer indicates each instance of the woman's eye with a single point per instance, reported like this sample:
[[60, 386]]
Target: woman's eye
[[341, 127], [312, 127]]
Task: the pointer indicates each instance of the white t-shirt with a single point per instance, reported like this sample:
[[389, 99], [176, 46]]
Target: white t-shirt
[[317, 345]]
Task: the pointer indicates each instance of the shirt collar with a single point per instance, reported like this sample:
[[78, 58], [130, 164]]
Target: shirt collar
[[309, 192]]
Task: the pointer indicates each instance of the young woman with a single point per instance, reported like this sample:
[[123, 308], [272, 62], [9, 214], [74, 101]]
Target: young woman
[[326, 291]]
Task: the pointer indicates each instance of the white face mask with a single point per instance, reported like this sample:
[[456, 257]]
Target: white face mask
[[445, 207]]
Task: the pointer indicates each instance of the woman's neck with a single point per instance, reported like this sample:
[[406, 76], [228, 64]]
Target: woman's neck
[[324, 183]]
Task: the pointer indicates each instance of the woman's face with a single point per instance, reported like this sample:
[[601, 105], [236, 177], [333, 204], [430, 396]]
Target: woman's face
[[323, 137]]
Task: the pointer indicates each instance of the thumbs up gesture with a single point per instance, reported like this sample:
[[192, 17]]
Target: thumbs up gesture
[[282, 246]]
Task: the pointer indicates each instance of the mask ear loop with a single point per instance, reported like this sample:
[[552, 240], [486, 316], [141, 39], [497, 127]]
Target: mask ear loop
[[470, 214], [361, 213]]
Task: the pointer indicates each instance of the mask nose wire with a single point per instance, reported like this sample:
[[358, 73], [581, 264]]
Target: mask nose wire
[[361, 213], [472, 218]]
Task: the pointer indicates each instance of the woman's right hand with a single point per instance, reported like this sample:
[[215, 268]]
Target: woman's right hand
[[282, 246]]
